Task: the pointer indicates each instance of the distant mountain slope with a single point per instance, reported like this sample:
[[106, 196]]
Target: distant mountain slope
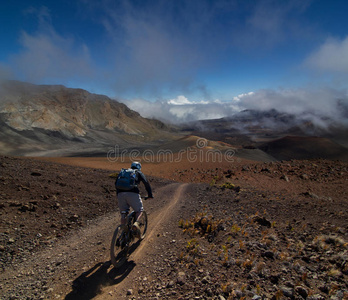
[[40, 117], [262, 123], [294, 147], [280, 135], [254, 126]]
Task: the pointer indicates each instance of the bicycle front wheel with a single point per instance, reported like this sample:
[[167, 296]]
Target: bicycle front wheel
[[119, 247], [143, 224]]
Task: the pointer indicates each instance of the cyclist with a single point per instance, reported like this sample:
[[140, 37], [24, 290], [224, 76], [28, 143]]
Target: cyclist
[[131, 198]]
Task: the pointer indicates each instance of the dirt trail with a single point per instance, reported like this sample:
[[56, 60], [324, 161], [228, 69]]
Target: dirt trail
[[78, 267], [157, 221]]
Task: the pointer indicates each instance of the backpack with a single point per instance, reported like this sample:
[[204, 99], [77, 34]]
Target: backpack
[[126, 180]]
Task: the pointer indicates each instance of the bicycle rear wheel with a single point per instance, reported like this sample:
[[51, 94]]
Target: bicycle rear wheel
[[119, 247]]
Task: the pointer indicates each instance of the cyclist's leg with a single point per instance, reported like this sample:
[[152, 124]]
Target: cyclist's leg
[[138, 216], [123, 206], [124, 215], [137, 204]]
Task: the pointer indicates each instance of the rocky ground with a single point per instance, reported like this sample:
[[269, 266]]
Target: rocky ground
[[245, 231]]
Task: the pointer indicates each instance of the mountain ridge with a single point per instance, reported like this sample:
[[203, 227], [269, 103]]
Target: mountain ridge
[[40, 114], [77, 108]]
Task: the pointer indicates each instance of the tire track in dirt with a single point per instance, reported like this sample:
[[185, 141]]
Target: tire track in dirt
[[165, 213]]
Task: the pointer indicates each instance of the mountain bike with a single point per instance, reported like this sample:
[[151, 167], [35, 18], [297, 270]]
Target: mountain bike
[[123, 239]]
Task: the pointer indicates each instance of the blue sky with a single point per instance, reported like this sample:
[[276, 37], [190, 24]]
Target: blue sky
[[183, 59]]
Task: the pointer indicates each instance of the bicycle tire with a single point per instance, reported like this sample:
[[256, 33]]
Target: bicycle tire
[[118, 251], [143, 225]]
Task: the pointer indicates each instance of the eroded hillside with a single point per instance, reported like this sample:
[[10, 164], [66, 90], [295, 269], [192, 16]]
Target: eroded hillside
[[36, 118]]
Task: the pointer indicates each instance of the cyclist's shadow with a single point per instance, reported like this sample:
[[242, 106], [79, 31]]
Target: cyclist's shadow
[[89, 283]]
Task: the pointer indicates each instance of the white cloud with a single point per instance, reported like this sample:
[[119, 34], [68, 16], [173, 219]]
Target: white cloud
[[239, 97], [182, 100], [182, 113], [271, 22], [46, 55], [293, 100], [332, 56], [49, 56], [314, 104]]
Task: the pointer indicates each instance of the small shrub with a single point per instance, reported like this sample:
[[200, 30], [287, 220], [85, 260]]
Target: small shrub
[[181, 223], [241, 244], [192, 246], [228, 185], [235, 228]]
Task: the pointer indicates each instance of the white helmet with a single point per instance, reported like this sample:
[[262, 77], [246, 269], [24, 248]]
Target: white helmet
[[136, 165]]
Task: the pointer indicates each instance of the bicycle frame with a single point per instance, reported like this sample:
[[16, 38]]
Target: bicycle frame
[[122, 239]]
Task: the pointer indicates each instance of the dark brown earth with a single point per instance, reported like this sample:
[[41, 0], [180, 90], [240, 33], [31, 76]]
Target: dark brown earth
[[239, 231]]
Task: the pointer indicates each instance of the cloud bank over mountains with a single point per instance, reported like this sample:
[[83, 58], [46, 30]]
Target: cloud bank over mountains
[[318, 105]]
